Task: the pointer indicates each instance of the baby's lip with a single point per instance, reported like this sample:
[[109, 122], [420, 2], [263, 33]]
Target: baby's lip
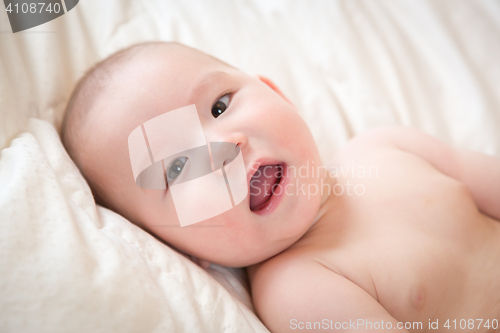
[[254, 166]]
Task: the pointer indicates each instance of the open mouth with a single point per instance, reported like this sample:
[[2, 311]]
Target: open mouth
[[263, 184]]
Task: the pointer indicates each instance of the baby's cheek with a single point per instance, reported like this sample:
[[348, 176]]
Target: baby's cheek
[[291, 132], [303, 142]]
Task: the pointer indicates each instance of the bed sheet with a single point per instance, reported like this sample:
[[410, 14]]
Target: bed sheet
[[348, 65]]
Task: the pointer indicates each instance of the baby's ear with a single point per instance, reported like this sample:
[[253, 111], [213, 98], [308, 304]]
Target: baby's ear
[[273, 87]]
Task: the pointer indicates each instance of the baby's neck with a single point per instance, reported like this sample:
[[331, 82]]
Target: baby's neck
[[326, 198]]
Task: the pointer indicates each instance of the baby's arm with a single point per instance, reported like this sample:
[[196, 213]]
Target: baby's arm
[[289, 294], [479, 172]]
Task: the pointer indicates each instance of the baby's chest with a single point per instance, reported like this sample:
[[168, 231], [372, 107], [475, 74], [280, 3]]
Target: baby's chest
[[409, 273], [408, 201], [408, 243]]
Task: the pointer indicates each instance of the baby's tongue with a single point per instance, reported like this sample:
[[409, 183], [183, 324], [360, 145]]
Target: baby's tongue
[[261, 185]]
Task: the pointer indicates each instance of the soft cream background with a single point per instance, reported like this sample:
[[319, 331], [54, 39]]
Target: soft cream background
[[69, 266]]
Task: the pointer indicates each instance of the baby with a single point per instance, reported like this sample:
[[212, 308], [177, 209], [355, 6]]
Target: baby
[[400, 234]]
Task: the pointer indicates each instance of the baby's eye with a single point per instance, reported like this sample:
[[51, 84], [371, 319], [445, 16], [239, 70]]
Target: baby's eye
[[175, 168], [220, 106]]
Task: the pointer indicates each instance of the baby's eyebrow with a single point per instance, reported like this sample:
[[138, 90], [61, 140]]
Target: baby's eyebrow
[[204, 81]]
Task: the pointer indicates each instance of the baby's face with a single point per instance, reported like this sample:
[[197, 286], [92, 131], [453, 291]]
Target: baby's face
[[250, 112]]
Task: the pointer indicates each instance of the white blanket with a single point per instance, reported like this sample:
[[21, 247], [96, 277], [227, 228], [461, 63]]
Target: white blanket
[[67, 265]]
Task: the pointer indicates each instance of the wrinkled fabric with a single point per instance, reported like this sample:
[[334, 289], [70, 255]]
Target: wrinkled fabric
[[67, 265]]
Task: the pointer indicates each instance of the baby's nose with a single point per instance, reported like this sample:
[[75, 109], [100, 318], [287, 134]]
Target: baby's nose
[[238, 138]]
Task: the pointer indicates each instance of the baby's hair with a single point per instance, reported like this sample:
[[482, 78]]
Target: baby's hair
[[87, 89], [93, 83], [89, 86]]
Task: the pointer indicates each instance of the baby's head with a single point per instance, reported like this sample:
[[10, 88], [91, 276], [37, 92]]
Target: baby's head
[[147, 80]]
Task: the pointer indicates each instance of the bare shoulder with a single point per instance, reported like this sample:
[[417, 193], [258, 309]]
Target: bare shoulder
[[288, 290], [384, 137], [369, 143], [401, 139], [281, 287]]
